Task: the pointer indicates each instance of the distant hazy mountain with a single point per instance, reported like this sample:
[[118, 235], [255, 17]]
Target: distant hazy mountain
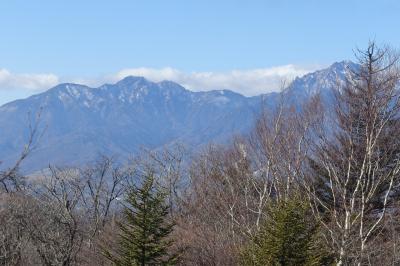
[[120, 118]]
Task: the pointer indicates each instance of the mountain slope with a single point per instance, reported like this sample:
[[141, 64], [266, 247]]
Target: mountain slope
[[119, 119], [82, 122]]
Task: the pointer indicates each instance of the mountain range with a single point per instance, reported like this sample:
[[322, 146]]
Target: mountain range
[[79, 122]]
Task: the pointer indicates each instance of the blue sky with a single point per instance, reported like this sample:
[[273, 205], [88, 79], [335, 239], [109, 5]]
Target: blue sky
[[46, 42]]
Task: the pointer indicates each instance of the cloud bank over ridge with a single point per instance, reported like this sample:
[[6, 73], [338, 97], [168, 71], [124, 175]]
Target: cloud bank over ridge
[[247, 82]]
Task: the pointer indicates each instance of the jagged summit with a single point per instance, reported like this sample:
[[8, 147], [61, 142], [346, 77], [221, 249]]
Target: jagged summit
[[322, 80]]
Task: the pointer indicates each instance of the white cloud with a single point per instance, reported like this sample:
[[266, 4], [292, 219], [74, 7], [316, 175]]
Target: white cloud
[[29, 82], [247, 82]]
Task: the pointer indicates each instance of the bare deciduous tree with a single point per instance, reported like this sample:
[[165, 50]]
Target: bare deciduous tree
[[10, 178], [231, 185], [356, 163], [52, 218], [102, 184]]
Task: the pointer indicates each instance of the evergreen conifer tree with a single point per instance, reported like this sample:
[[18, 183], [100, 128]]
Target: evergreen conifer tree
[[288, 237], [145, 231]]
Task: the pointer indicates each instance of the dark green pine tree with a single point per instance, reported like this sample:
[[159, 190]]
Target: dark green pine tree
[[289, 237], [144, 237]]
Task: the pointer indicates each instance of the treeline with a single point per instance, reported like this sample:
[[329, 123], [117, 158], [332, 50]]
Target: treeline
[[314, 183]]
